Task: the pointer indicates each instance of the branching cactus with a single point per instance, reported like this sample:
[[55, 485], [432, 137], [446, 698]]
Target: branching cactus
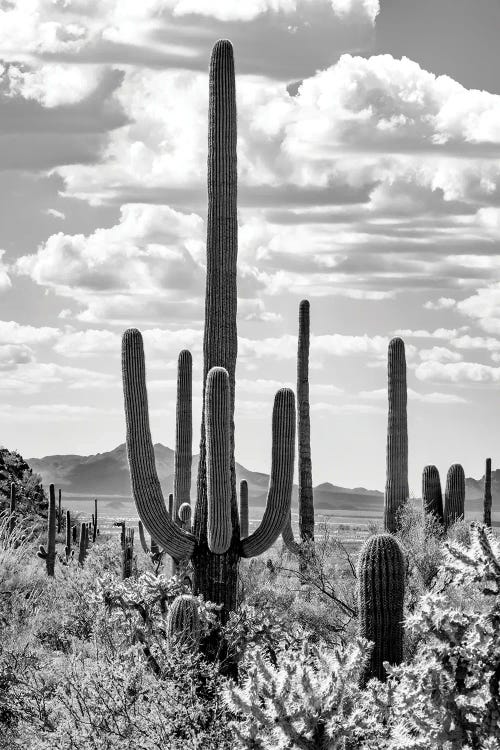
[[432, 497], [454, 496], [128, 554], [183, 623], [183, 432], [381, 576], [243, 508], [396, 486], [184, 516], [487, 494], [67, 549], [215, 546], [12, 509], [49, 554], [306, 504]]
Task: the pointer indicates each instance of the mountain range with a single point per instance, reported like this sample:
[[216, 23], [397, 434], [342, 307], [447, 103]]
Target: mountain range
[[107, 474]]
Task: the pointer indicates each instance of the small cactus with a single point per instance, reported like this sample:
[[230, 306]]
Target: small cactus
[[183, 433], [82, 549], [243, 508], [432, 497], [487, 494], [67, 549], [12, 509], [59, 513], [95, 530], [381, 575], [185, 516], [396, 487], [183, 622], [49, 554], [454, 496], [128, 554]]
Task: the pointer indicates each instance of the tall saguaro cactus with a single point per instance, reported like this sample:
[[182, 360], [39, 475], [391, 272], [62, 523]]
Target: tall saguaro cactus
[[454, 496], [487, 494], [183, 432], [49, 554], [215, 546], [381, 575], [243, 508], [432, 497], [396, 486], [12, 508]]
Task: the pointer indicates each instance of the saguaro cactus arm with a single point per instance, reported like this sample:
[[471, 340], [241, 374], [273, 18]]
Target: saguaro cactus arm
[[183, 432], [454, 496], [243, 508], [217, 416], [432, 498], [145, 483], [281, 479]]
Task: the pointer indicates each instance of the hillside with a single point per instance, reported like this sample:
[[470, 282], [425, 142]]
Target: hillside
[[107, 474]]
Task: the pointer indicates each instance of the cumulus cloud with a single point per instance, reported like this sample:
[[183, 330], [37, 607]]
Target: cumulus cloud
[[443, 303], [484, 307], [380, 394], [439, 354], [457, 372], [12, 332], [35, 377]]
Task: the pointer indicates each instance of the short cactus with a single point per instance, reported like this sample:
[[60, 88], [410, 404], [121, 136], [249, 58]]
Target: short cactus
[[381, 575], [95, 529], [59, 513], [49, 554], [396, 487], [487, 494], [67, 549], [184, 516], [128, 554], [432, 497], [243, 508], [183, 623], [12, 509], [83, 543], [454, 496], [183, 433]]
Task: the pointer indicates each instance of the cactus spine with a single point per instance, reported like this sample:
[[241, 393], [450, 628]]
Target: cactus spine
[[215, 546], [487, 494], [381, 575], [183, 432], [183, 623], [12, 509], [396, 487], [432, 497], [243, 508], [454, 496], [49, 554]]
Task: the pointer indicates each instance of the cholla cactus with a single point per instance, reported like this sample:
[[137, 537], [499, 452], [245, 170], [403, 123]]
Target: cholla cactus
[[381, 574], [183, 622], [432, 497], [487, 494], [310, 700], [396, 486], [454, 496], [243, 508], [185, 516], [215, 546], [183, 433], [49, 554]]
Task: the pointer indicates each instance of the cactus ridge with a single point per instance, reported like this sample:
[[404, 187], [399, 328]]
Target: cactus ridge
[[381, 575], [454, 497], [183, 432], [67, 548], [432, 497], [243, 508], [487, 494], [183, 622], [396, 487], [219, 526]]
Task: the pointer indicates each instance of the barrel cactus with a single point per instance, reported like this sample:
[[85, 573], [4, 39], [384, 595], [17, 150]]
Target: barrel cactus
[[432, 497], [487, 494], [183, 623], [396, 487], [214, 546], [243, 508], [49, 554], [381, 576], [454, 496]]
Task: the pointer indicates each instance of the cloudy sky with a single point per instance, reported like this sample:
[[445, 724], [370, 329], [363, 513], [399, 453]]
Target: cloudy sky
[[369, 163]]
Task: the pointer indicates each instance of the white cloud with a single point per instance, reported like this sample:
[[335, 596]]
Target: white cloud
[[12, 332], [443, 303], [439, 354], [35, 377], [54, 84], [484, 306], [457, 372], [425, 398], [55, 213]]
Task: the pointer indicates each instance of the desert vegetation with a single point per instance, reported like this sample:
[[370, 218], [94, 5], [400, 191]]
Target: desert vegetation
[[208, 636]]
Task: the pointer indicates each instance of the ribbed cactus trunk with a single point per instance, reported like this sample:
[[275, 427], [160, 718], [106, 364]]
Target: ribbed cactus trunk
[[432, 497], [183, 623], [306, 505], [67, 549], [381, 576], [94, 522], [183, 432], [487, 494], [12, 508], [51, 537], [396, 486], [59, 513], [454, 496], [82, 548], [243, 508], [128, 554], [216, 574]]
